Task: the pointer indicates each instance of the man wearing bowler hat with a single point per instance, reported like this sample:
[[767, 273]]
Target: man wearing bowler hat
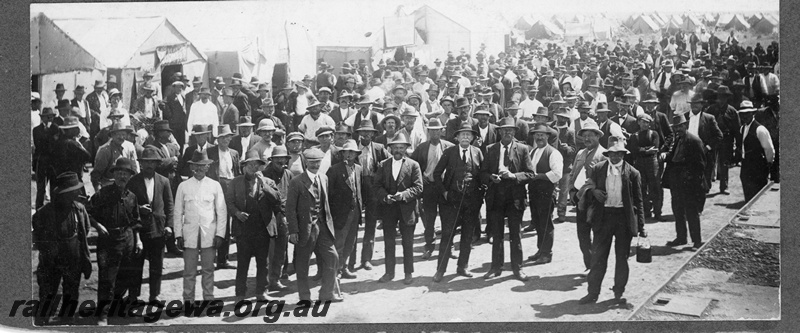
[[308, 214], [60, 230], [256, 205], [109, 153], [115, 213], [616, 214], [461, 198], [757, 151], [200, 217], [154, 195], [506, 170]]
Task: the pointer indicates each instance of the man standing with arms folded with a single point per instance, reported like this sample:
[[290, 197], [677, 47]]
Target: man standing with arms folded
[[506, 169], [462, 196], [547, 165], [311, 227], [199, 216]]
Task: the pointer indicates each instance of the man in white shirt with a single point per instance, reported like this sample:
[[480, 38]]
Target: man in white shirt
[[413, 132], [530, 105], [312, 122], [757, 152], [575, 80], [266, 128], [548, 165], [680, 99], [662, 81], [200, 216], [204, 112], [325, 139]]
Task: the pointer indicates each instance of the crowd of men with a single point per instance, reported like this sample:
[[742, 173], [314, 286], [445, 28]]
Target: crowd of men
[[539, 127]]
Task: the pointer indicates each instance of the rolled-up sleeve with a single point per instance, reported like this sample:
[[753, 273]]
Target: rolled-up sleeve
[[556, 167]]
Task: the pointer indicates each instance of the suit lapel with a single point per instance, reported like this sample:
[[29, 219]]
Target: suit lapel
[[306, 183], [401, 176], [601, 178]]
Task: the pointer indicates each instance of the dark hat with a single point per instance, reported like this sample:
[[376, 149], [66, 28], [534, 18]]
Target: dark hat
[[254, 155], [219, 80], [583, 105], [150, 153], [99, 84], [324, 130], [366, 125], [342, 128], [197, 80], [462, 102], [723, 90], [70, 122], [514, 106], [204, 91], [678, 119], [279, 151], [399, 138], [697, 98], [117, 126], [63, 104], [161, 125], [447, 99], [60, 87], [389, 105], [124, 163], [541, 111], [201, 129], [466, 127], [67, 182], [263, 87], [507, 122], [47, 111], [650, 98], [541, 128], [200, 157], [236, 79], [313, 154], [224, 130]]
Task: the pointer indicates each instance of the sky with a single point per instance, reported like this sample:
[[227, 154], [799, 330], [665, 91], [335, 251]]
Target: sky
[[205, 22]]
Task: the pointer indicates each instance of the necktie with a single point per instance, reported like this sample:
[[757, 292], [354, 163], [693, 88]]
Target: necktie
[[464, 156], [315, 187], [506, 159], [663, 78]]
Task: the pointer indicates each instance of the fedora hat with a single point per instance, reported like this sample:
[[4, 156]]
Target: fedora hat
[[324, 130], [161, 125], [254, 81], [562, 112], [447, 99], [146, 86], [99, 84], [466, 127], [63, 104], [602, 107], [47, 111], [313, 154], [410, 113], [724, 90], [254, 155], [514, 106], [618, 145], [366, 125], [417, 96], [399, 138], [435, 124], [201, 129], [350, 145], [224, 130], [113, 92], [591, 126], [201, 157], [67, 182], [389, 105], [396, 119], [343, 128], [266, 124], [295, 136], [236, 79], [245, 121], [197, 80], [650, 98], [60, 87], [541, 128], [316, 103], [541, 111], [363, 100], [204, 91], [69, 122], [583, 105], [746, 106], [118, 126], [124, 163], [324, 90], [482, 109], [150, 153], [507, 122], [697, 98], [345, 94], [219, 80], [279, 151], [678, 119], [148, 74]]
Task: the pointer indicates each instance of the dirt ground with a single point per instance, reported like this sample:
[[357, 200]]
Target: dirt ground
[[551, 294]]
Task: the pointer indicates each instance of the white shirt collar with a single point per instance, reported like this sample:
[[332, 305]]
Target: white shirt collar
[[312, 176]]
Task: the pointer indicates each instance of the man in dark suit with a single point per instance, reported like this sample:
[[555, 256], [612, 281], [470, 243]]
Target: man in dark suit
[[506, 170], [372, 154], [729, 124], [241, 99], [462, 111], [427, 155], [154, 195], [398, 184], [757, 150], [175, 112], [229, 113], [201, 133], [344, 186], [311, 230], [224, 168], [566, 146], [704, 125], [684, 176], [193, 95], [278, 260], [462, 195], [245, 138], [44, 138], [616, 213], [548, 165], [522, 127], [624, 119], [255, 203], [364, 106]]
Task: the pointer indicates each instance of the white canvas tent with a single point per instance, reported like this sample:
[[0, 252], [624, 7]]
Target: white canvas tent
[[57, 58], [737, 22], [468, 30], [644, 25], [544, 30], [524, 23], [691, 23], [767, 25]]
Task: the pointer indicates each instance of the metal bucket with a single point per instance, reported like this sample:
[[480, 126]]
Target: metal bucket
[[644, 253]]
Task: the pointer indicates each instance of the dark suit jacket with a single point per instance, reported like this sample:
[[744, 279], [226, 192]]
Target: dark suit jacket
[[631, 195], [236, 143], [44, 139], [183, 164], [341, 193], [300, 201], [421, 153], [242, 102], [520, 161], [336, 114], [176, 114], [688, 177], [213, 169], [491, 137], [153, 224], [567, 136], [708, 130], [451, 158], [453, 125], [188, 101], [230, 116], [270, 204], [409, 186], [629, 123]]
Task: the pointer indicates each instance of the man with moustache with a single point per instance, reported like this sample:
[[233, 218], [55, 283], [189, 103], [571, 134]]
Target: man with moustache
[[278, 171], [372, 153], [223, 170], [344, 186], [548, 166], [584, 160]]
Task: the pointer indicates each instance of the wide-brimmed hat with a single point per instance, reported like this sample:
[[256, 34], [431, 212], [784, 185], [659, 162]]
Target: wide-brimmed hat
[[391, 116], [583, 105], [324, 130], [60, 87], [324, 90], [99, 84], [204, 91], [697, 98], [236, 79], [224, 130], [366, 125], [482, 109], [47, 111], [197, 80], [118, 126], [650, 98], [124, 163], [343, 128], [724, 90], [410, 113], [746, 106], [69, 122], [279, 151], [254, 155], [350, 145], [562, 112], [541, 128], [466, 127], [678, 119], [514, 106], [399, 138], [201, 129], [316, 103], [67, 182], [507, 122], [113, 92], [435, 124], [63, 104], [399, 87], [591, 126], [266, 124], [201, 157], [161, 125], [447, 99], [245, 121], [150, 153], [619, 145]]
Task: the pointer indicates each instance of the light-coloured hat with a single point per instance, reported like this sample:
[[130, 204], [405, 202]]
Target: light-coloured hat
[[350, 145], [746, 106], [619, 145], [266, 124]]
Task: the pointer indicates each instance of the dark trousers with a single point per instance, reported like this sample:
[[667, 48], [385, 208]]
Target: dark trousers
[[686, 207], [392, 220], [116, 265], [754, 175], [224, 247], [153, 251], [711, 166], [370, 221], [724, 159], [278, 257], [540, 196], [652, 193], [499, 211], [613, 226], [584, 231], [458, 213], [775, 169], [256, 247], [430, 208], [346, 238], [44, 175], [60, 267], [321, 243]]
